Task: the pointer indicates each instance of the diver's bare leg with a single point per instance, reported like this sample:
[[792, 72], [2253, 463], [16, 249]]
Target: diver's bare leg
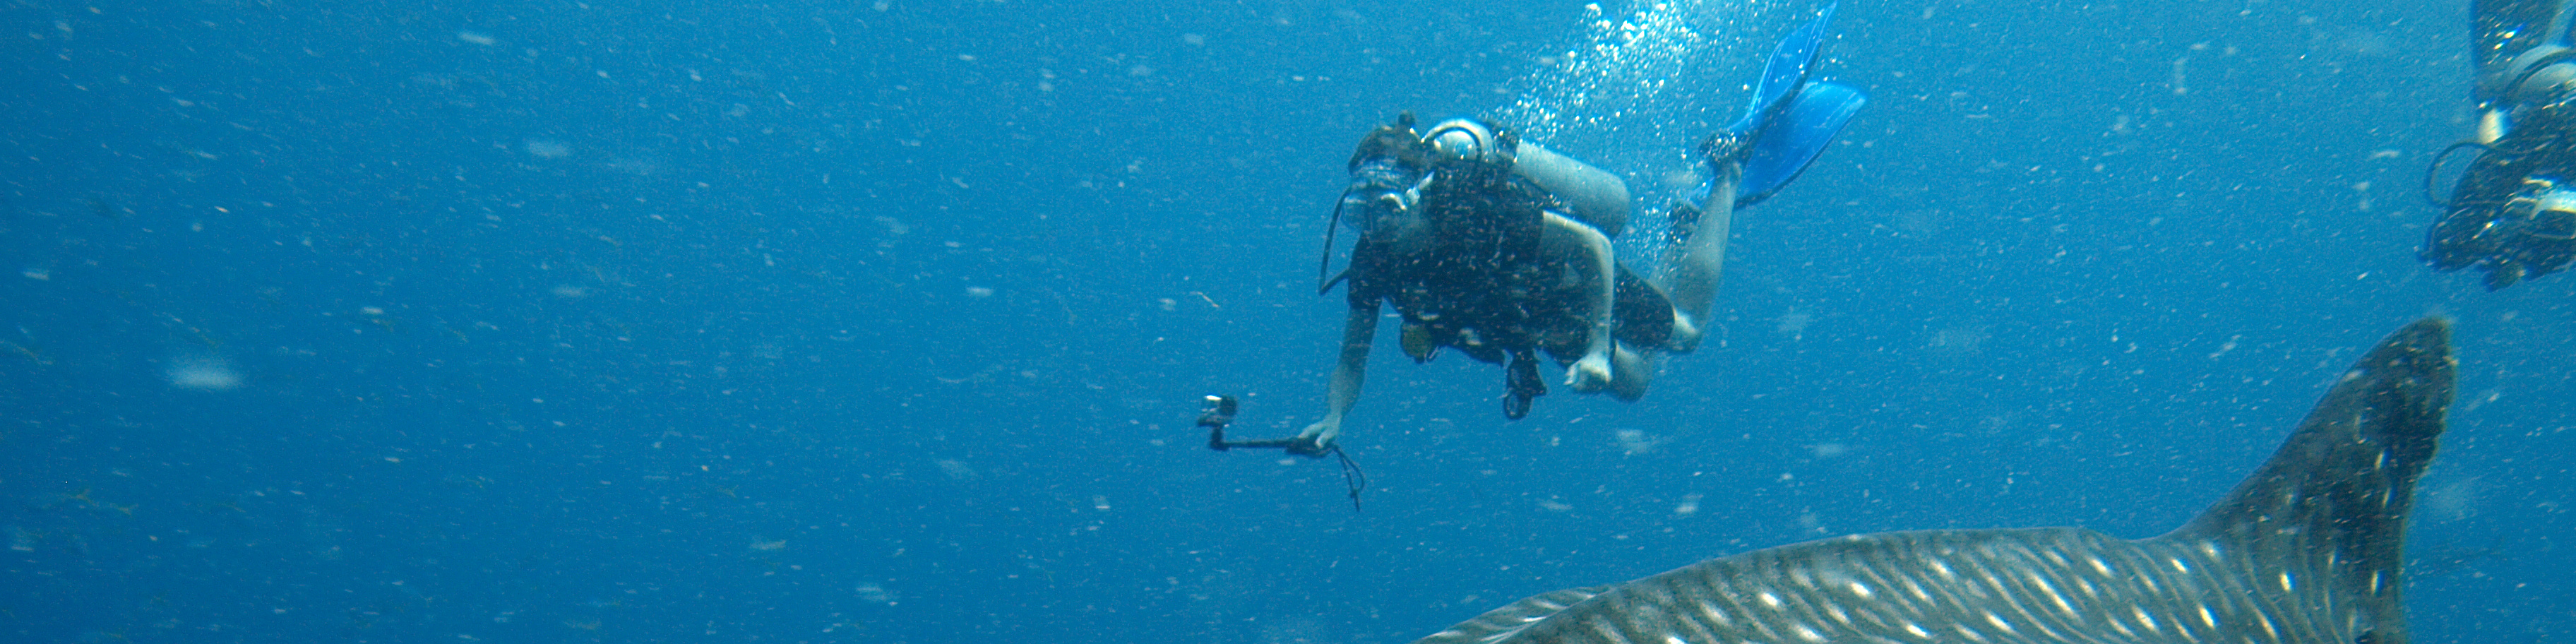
[[1359, 330], [1692, 268], [1585, 249]]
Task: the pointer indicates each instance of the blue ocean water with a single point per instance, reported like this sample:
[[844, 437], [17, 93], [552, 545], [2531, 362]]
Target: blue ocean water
[[884, 320]]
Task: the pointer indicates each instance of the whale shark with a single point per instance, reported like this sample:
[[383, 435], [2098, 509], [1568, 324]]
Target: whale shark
[[2305, 550]]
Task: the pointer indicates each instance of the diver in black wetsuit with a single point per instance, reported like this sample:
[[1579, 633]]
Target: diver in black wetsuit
[[2513, 213], [1500, 248]]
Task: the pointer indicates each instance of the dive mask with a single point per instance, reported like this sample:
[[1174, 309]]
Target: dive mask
[[1383, 191]]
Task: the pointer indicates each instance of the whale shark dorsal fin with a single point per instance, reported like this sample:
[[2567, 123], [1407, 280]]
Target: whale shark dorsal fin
[[2329, 508], [2303, 552]]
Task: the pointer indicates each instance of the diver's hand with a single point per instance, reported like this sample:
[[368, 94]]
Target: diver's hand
[[1317, 440], [1590, 374]]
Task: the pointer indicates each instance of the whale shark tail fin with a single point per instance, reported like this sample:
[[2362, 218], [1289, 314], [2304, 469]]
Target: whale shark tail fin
[[2323, 523]]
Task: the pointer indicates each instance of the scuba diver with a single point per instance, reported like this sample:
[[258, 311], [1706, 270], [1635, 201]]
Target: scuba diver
[[1500, 248], [2513, 212]]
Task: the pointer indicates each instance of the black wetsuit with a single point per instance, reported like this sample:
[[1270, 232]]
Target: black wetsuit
[[1481, 286], [1477, 269]]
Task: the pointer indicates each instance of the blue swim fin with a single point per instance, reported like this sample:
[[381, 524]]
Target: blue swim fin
[[1794, 137], [1787, 71]]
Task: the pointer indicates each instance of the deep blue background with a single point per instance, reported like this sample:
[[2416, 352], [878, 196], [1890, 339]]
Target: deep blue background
[[883, 321]]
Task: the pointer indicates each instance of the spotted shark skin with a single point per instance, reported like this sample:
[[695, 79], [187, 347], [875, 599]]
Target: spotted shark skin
[[2306, 550]]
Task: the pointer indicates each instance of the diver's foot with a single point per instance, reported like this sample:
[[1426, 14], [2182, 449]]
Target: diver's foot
[[1590, 374], [1685, 336], [1725, 148]]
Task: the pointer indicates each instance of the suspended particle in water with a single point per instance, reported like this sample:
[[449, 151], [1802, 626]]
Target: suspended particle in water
[[875, 593], [203, 373], [548, 149]]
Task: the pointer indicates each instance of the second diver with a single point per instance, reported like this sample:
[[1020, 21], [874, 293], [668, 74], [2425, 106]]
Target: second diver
[[2513, 213]]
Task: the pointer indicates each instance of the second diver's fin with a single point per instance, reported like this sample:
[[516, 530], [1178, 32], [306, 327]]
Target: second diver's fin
[[1794, 138]]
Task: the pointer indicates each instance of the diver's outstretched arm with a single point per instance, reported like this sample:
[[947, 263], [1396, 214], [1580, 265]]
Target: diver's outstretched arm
[[1359, 331], [1585, 249], [1693, 266]]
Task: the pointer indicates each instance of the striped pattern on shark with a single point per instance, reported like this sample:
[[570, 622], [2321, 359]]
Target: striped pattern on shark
[[2306, 550]]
